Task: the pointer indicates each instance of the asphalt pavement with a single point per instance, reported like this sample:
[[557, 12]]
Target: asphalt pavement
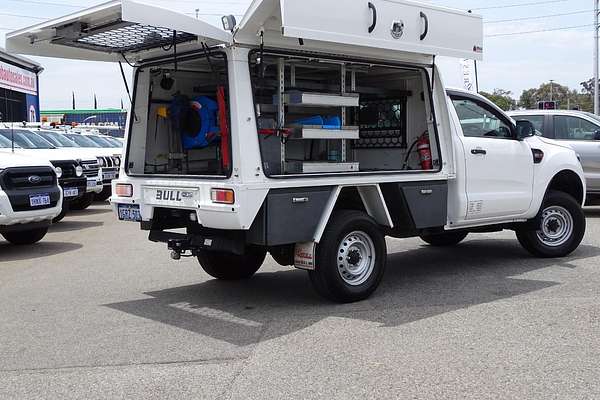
[[96, 311]]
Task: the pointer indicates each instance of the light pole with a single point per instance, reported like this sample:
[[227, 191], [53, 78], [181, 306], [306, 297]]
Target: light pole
[[596, 27]]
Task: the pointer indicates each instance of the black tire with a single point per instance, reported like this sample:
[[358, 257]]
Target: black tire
[[327, 276], [60, 216], [444, 239], [232, 267], [533, 243], [28, 237], [83, 202], [104, 194]]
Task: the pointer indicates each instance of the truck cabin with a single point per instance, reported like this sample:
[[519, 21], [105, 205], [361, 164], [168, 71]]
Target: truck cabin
[[283, 92]]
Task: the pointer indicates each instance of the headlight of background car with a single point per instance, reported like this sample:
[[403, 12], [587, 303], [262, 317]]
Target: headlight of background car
[[79, 170], [101, 162], [117, 161], [58, 171]]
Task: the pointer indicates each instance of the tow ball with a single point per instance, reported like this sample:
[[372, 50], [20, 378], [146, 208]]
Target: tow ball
[[180, 248]]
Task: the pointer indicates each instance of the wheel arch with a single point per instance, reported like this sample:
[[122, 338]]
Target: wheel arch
[[568, 181], [366, 198]]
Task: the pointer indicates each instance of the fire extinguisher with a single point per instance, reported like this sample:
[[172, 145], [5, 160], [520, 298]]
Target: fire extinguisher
[[424, 150]]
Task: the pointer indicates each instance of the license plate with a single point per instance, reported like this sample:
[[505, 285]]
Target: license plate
[[129, 212], [71, 192], [39, 200], [92, 184], [109, 175]]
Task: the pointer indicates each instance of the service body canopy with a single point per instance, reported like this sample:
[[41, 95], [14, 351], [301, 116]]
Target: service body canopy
[[385, 29]]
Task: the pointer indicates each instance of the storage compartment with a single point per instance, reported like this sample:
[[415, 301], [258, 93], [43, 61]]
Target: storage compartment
[[322, 116], [181, 121], [289, 216]]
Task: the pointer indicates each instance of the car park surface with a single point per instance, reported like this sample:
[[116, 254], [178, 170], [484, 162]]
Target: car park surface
[[481, 320]]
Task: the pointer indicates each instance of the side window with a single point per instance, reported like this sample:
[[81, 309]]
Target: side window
[[536, 120], [574, 128], [478, 121]]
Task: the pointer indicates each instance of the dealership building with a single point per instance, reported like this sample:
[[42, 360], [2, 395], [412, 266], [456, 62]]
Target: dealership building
[[19, 88]]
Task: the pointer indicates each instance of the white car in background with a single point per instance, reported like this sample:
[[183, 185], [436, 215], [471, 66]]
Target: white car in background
[[109, 158], [68, 169], [30, 197]]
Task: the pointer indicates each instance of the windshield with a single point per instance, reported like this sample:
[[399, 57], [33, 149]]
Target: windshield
[[593, 116], [6, 143], [27, 139], [82, 141], [115, 142], [57, 139], [100, 141], [38, 141]]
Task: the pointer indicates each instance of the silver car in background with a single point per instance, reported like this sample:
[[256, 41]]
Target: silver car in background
[[580, 130]]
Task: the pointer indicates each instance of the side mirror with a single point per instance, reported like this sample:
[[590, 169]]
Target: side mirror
[[597, 135], [525, 129]]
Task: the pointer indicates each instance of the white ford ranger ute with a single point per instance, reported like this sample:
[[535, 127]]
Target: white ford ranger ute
[[29, 198], [311, 132]]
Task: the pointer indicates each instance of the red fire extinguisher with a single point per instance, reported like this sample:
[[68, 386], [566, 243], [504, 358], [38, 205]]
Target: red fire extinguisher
[[424, 150]]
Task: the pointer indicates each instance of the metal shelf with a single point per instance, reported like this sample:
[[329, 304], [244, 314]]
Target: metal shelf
[[311, 99], [315, 167], [317, 132]]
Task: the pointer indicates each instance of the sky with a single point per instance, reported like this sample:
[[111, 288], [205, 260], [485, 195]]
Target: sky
[[513, 62]]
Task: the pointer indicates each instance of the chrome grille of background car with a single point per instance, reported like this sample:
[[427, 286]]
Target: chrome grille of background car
[[90, 168]]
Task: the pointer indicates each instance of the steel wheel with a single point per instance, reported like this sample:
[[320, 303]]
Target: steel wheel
[[556, 226], [356, 258]]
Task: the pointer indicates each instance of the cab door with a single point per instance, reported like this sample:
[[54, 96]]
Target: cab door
[[498, 167]]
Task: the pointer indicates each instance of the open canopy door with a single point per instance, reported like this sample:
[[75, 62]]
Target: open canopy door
[[379, 25], [115, 29]]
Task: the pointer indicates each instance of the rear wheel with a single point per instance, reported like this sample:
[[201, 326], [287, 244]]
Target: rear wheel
[[22, 238], [560, 227], [83, 202], [350, 259], [445, 239], [231, 267]]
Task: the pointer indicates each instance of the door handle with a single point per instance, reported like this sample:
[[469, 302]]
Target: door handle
[[374, 14], [478, 151], [426, 31]]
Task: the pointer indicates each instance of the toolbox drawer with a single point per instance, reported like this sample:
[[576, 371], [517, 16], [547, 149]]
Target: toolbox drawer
[[292, 215]]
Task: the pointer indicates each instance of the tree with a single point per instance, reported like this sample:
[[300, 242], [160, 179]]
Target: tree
[[502, 98], [566, 98]]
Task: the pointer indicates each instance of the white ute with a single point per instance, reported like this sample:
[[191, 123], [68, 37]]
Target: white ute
[[311, 131], [29, 198]]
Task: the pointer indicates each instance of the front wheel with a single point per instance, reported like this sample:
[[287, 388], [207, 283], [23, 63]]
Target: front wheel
[[104, 194], [560, 227], [82, 203], [350, 259], [23, 238], [60, 216], [232, 267]]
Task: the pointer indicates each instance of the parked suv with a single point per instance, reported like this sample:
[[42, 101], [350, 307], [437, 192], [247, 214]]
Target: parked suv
[[68, 170], [109, 159], [581, 131], [89, 162], [29, 197]]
